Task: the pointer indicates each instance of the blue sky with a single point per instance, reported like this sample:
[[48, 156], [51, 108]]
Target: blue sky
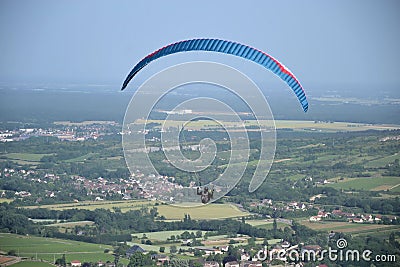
[[322, 42]]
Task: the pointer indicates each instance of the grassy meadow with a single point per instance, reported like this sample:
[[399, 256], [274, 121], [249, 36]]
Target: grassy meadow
[[367, 183], [50, 248]]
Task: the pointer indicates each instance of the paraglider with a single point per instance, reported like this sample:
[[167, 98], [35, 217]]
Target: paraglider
[[226, 47]]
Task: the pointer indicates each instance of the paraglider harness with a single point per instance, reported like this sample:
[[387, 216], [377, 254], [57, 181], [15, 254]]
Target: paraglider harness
[[206, 194]]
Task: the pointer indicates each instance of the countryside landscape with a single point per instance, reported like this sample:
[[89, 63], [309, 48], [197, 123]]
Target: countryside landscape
[[199, 133], [329, 180]]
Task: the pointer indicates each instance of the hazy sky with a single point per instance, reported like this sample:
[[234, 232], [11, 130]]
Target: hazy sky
[[92, 41]]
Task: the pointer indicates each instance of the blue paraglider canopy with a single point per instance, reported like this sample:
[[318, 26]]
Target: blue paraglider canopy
[[226, 47]]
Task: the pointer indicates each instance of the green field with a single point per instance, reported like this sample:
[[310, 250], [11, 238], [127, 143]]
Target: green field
[[382, 162], [369, 183], [265, 224], [32, 264], [71, 224], [81, 158], [163, 235], [50, 248], [26, 156], [347, 227], [92, 205], [211, 211]]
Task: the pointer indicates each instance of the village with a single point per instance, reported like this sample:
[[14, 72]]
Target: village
[[64, 131]]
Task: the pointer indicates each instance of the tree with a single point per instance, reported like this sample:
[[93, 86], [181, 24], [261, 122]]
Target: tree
[[199, 234], [139, 259], [251, 241], [228, 259], [116, 259], [392, 239], [387, 208], [218, 258], [198, 253], [12, 253], [162, 249], [173, 249], [62, 261], [275, 225]]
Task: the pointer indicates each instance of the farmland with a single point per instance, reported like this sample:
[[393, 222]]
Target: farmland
[[32, 264], [26, 156], [368, 183], [312, 159], [211, 211], [346, 227], [50, 248], [295, 125], [92, 205], [266, 224]]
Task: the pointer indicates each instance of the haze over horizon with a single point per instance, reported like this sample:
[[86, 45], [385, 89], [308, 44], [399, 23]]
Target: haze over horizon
[[98, 42], [345, 50]]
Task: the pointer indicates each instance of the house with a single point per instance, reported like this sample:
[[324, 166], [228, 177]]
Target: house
[[186, 242], [210, 251], [76, 263], [133, 249], [232, 264], [323, 214], [367, 218], [211, 264], [267, 201], [224, 248], [315, 218], [357, 220], [160, 258]]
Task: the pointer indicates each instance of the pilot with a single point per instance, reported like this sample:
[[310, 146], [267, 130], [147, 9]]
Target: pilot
[[206, 194]]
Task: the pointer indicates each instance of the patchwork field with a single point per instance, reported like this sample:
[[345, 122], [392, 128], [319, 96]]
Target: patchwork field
[[211, 211], [287, 124]]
